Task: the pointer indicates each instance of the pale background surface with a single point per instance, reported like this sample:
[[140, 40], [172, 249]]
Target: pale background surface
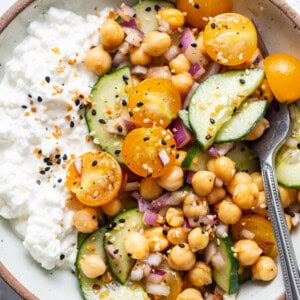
[[5, 292]]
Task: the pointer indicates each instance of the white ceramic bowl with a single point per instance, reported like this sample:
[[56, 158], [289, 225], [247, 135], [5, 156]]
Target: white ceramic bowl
[[279, 25]]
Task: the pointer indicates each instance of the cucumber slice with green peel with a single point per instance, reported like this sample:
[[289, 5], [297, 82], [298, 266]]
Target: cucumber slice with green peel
[[215, 100], [183, 114], [109, 98], [245, 158], [120, 264], [242, 122], [195, 159], [146, 12], [95, 289], [287, 161], [226, 276]]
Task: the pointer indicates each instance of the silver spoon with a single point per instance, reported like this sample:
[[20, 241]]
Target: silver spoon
[[266, 148]]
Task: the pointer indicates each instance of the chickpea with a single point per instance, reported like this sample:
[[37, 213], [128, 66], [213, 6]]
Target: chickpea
[[211, 165], [177, 235], [156, 239], [287, 196], [139, 57], [198, 240], [136, 245], [181, 257], [216, 195], [180, 156], [150, 189], [239, 177], [98, 60], [112, 208], [247, 252], [194, 206], [258, 130], [92, 265], [203, 182], [245, 195], [111, 34], [179, 64], [261, 205], [257, 179], [172, 16], [228, 212], [172, 180], [174, 216], [190, 294], [264, 269], [224, 168], [85, 220], [200, 275], [182, 82], [156, 43]]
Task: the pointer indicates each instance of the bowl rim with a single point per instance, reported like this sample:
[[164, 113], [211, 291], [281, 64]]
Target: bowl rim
[[12, 12]]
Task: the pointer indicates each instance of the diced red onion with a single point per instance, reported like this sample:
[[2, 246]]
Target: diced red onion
[[172, 52], [181, 134], [160, 72], [164, 200], [137, 272], [130, 125], [156, 276], [126, 12], [196, 70], [150, 217], [146, 269], [133, 36], [186, 101], [217, 150], [139, 70], [213, 151], [207, 220], [163, 26], [210, 250], [186, 39], [78, 165], [189, 177], [142, 203], [132, 186], [157, 289], [124, 48], [222, 230], [110, 251], [186, 226], [218, 260], [119, 59], [211, 69], [154, 259], [130, 24]]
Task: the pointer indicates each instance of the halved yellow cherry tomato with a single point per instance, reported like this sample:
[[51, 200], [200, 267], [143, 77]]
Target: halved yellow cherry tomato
[[154, 101], [199, 11], [149, 152], [283, 73], [262, 230], [95, 178], [230, 39]]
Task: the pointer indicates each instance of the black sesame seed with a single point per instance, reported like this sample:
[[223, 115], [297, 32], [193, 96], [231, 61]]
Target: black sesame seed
[[47, 169], [77, 102], [94, 163], [194, 45], [163, 142], [57, 155], [62, 256], [298, 145], [125, 79], [81, 106], [24, 106], [177, 155], [235, 109], [102, 121], [117, 152], [180, 45], [148, 8], [59, 180], [139, 104], [130, 114], [213, 25], [122, 220], [208, 137], [165, 232], [156, 7], [196, 5], [146, 138], [212, 121], [72, 124], [65, 157], [172, 146], [124, 102], [242, 81], [39, 99], [94, 112], [47, 78], [29, 96], [58, 161], [120, 128], [181, 245], [42, 172]]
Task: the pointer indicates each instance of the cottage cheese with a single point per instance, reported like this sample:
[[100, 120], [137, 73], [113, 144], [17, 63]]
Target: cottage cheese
[[42, 128]]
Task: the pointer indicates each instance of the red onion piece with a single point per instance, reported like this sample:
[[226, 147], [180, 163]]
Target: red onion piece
[[142, 203], [172, 52], [133, 36], [119, 60], [139, 70], [161, 72], [150, 218], [211, 69], [217, 150], [181, 134], [186, 39], [154, 259], [207, 220], [126, 12], [130, 125], [186, 101], [196, 70], [189, 177], [165, 200], [130, 24], [222, 230], [157, 289], [156, 276], [163, 26]]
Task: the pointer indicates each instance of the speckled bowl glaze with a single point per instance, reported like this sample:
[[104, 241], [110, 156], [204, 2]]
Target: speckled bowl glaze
[[279, 25]]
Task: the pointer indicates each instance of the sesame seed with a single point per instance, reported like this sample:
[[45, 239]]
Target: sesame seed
[[156, 7], [213, 25], [163, 142], [196, 5], [94, 112], [181, 245], [24, 106], [72, 124], [117, 152], [39, 99], [194, 45], [146, 138], [242, 81], [139, 104], [102, 121], [124, 102], [208, 137], [77, 102], [94, 163], [47, 79], [120, 128], [62, 256], [148, 8]]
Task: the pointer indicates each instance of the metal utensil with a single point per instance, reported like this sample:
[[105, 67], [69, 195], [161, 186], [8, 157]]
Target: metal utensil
[[266, 148]]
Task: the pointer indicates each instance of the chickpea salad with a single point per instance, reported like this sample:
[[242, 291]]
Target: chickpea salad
[[171, 204]]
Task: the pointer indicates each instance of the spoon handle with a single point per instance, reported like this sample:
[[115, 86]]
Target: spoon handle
[[284, 244]]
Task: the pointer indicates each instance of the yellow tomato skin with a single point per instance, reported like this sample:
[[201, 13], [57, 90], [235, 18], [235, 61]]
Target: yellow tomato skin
[[199, 11], [283, 73], [142, 148], [154, 101], [230, 39], [95, 178]]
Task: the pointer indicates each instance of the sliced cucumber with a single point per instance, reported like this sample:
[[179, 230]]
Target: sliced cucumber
[[183, 114], [95, 289], [226, 277], [146, 12], [242, 122], [195, 159], [109, 97], [216, 99], [287, 161], [127, 221], [244, 157]]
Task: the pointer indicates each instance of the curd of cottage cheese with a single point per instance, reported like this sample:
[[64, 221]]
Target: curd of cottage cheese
[[43, 128]]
